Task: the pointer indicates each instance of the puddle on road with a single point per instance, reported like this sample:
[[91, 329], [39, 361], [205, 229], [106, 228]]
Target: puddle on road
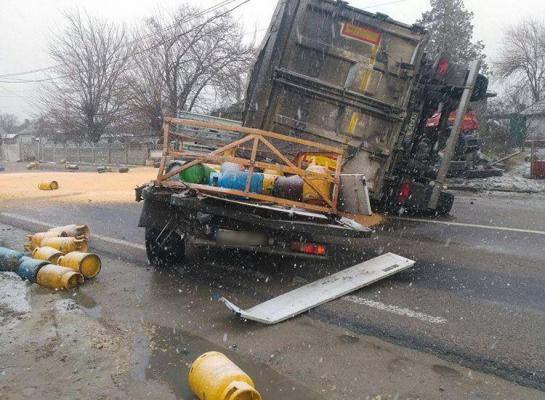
[[166, 355], [86, 303]]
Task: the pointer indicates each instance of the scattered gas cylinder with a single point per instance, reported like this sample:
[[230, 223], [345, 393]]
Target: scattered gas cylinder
[[76, 231], [290, 187], [35, 240], [57, 277], [52, 185], [123, 170], [72, 167], [9, 259], [323, 185], [47, 254], [214, 377], [85, 263], [66, 244], [28, 268]]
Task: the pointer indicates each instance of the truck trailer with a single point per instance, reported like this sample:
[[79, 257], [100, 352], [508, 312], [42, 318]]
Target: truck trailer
[[346, 77], [333, 87]]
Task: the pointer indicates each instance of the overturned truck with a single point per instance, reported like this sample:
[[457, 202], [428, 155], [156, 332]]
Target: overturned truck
[[335, 119], [335, 74]]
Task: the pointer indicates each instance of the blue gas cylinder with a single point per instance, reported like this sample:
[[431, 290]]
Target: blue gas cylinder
[[9, 259], [237, 180], [29, 267]]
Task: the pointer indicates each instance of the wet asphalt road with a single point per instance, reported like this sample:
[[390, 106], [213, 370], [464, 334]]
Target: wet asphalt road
[[476, 294]]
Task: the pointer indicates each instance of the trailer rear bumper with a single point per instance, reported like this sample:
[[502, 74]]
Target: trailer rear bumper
[[202, 218]]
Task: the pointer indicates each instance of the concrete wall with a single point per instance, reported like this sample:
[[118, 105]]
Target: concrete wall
[[114, 153]]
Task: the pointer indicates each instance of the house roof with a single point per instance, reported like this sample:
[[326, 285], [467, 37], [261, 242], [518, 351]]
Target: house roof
[[14, 135], [536, 109]]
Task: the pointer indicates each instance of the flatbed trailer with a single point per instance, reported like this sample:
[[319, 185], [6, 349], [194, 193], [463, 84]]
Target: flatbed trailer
[[177, 213]]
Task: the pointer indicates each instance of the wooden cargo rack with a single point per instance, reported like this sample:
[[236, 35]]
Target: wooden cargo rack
[[258, 142]]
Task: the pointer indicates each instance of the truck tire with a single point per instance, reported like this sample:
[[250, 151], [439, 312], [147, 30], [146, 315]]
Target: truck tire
[[446, 201], [166, 250]]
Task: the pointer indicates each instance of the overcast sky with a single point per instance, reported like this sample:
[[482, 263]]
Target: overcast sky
[[26, 27]]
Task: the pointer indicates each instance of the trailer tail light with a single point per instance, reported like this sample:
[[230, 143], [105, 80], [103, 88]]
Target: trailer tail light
[[309, 248], [404, 192]]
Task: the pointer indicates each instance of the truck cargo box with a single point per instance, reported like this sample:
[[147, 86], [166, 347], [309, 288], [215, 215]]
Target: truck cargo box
[[335, 74]]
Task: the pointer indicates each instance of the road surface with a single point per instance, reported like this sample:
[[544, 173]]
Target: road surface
[[476, 295]]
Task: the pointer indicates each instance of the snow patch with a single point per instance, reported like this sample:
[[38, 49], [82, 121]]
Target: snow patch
[[14, 295], [514, 180]]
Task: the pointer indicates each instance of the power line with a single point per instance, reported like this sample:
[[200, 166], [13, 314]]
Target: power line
[[192, 29], [27, 72], [34, 80], [388, 3], [199, 14]]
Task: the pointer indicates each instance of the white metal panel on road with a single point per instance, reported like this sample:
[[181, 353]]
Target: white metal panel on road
[[323, 290]]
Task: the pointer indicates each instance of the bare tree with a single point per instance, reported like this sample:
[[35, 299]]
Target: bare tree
[[9, 122], [146, 83], [89, 91], [522, 60], [198, 56]]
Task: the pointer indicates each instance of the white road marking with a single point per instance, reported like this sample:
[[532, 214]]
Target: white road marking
[[490, 227], [119, 241], [404, 312], [93, 235]]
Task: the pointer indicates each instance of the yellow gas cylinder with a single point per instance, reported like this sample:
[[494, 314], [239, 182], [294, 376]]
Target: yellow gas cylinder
[[268, 183], [273, 171], [86, 264], [323, 185], [323, 161], [51, 185], [37, 238], [214, 377], [47, 254], [57, 277], [66, 244], [73, 230]]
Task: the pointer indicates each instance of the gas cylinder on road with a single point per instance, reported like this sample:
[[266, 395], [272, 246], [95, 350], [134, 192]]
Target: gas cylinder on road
[[214, 377]]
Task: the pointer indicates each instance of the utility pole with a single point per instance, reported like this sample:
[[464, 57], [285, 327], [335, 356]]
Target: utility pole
[[452, 142]]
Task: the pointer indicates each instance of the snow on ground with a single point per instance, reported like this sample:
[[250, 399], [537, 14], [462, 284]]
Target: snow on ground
[[516, 179], [13, 299]]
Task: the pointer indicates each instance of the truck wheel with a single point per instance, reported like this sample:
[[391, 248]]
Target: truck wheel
[[166, 250], [446, 201]]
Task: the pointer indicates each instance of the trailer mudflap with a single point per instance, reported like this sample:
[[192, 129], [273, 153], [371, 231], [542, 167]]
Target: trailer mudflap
[[323, 290]]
